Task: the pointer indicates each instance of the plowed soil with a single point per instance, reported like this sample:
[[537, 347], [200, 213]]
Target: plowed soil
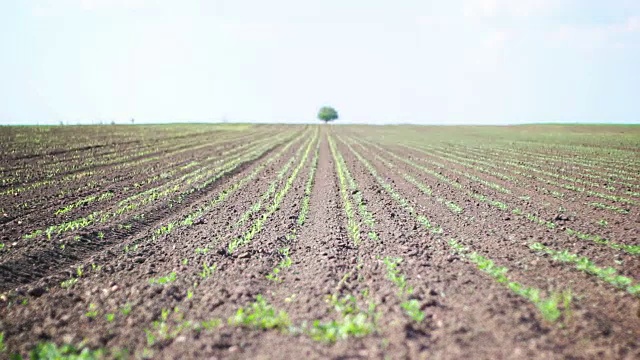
[[218, 227]]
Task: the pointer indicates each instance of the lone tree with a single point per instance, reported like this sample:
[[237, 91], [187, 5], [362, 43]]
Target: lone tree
[[327, 114]]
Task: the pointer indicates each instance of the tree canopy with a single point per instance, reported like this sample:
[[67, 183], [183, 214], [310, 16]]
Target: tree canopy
[[327, 113]]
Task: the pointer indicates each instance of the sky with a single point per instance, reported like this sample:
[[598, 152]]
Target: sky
[[376, 62]]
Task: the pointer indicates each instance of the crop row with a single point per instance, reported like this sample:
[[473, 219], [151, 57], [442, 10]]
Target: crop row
[[550, 307], [257, 226], [102, 216], [631, 249]]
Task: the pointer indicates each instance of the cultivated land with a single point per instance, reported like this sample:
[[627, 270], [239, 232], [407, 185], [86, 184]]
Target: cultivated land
[[240, 241]]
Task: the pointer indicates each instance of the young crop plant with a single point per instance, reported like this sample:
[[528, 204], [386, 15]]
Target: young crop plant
[[354, 191], [93, 311], [452, 206], [472, 177], [410, 306], [86, 201], [261, 315], [551, 308], [584, 264], [353, 321], [207, 270], [202, 251], [394, 274], [172, 323], [270, 191], [51, 351], [599, 205], [257, 225], [353, 226], [164, 279], [68, 284], [423, 220], [129, 205], [189, 219], [126, 309], [304, 207], [630, 249], [283, 264]]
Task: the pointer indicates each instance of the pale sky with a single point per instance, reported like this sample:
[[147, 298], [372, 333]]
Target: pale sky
[[422, 61]]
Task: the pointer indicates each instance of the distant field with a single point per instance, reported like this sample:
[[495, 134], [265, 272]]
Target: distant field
[[328, 241]]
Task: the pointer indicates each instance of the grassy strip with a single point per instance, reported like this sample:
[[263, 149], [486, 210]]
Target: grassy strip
[[582, 263], [551, 308]]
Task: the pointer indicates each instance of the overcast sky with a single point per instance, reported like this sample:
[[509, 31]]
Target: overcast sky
[[453, 61]]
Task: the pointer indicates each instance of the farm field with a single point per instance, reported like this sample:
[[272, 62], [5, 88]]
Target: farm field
[[328, 241]]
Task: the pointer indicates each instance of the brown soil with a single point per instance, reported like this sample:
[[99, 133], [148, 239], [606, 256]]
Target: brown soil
[[467, 314]]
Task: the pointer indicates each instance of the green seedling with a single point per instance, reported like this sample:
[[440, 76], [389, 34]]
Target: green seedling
[[354, 322], [584, 264], [260, 315], [93, 311], [50, 350], [207, 270], [258, 225], [412, 308], [164, 280], [202, 251], [126, 309], [548, 307], [68, 284]]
